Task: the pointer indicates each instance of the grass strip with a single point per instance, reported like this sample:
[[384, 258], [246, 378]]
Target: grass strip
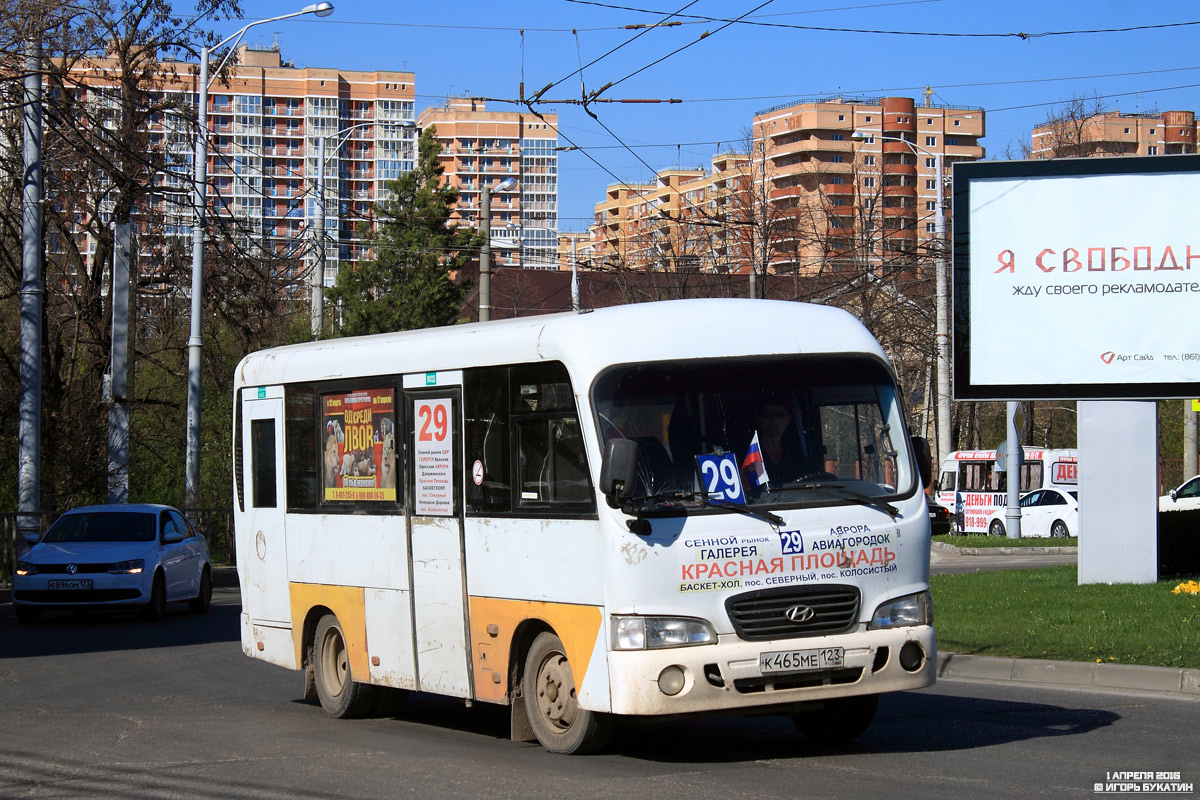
[[979, 540], [1043, 613]]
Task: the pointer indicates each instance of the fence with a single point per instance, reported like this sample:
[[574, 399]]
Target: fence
[[215, 523]]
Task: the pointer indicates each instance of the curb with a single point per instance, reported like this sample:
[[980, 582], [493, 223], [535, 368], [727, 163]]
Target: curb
[[1069, 673], [949, 549]]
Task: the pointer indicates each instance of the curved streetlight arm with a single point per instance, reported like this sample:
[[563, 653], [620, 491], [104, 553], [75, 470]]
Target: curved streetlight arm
[[941, 295], [200, 202]]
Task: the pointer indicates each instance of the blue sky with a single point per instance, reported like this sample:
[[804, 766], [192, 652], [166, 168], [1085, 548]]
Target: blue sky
[[723, 79]]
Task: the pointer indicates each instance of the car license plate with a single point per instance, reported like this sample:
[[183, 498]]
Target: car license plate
[[801, 660], [75, 584]]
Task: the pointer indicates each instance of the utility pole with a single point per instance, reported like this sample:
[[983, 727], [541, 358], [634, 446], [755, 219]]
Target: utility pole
[[485, 251], [118, 377], [29, 459]]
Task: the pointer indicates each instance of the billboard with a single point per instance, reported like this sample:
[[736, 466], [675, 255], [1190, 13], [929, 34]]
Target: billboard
[[1077, 278]]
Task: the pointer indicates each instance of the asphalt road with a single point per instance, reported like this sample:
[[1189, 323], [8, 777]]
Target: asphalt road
[[108, 706]]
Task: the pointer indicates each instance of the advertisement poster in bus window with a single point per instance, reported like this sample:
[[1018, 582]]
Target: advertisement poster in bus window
[[360, 445]]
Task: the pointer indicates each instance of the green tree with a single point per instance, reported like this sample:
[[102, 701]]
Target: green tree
[[410, 283]]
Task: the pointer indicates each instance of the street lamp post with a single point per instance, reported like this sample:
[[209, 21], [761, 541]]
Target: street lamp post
[[200, 203], [317, 308], [485, 251], [941, 308]]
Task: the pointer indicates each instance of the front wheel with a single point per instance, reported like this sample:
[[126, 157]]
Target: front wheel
[[1059, 530], [552, 705], [838, 720], [156, 606], [996, 528], [341, 696]]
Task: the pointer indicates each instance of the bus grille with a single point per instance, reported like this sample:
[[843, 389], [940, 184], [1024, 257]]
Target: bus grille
[[765, 614]]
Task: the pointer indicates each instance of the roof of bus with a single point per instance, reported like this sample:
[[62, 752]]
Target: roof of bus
[[586, 341]]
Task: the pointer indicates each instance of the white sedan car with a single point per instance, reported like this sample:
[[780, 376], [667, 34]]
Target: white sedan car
[[1044, 513], [114, 556], [1185, 497]]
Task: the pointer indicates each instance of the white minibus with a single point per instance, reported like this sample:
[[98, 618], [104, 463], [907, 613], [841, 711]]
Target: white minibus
[[669, 508], [973, 490]]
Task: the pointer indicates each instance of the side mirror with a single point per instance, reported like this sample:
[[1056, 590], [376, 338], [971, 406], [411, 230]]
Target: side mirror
[[618, 472], [1174, 495], [924, 459], [171, 534]]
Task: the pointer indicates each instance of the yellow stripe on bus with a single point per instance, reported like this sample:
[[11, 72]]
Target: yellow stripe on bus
[[577, 627], [348, 604]]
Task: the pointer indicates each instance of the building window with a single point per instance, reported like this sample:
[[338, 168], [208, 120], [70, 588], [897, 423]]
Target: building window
[[957, 123], [931, 205], [931, 141], [931, 163], [837, 180], [952, 141], [868, 183], [931, 227], [841, 117], [1152, 150], [838, 137], [869, 161], [1127, 131], [838, 159]]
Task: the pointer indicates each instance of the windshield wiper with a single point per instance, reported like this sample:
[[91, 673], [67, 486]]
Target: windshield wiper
[[637, 506], [849, 494], [765, 516]]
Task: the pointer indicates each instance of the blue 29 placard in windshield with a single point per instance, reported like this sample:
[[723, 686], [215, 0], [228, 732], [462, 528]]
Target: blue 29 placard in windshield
[[721, 479]]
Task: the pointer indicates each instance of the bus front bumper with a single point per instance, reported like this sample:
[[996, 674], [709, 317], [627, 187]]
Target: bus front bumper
[[727, 676]]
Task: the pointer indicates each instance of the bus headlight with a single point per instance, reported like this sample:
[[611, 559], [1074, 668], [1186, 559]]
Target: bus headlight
[[650, 633], [913, 609]]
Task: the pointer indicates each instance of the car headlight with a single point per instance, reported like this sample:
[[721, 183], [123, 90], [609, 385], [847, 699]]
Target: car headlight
[[913, 609], [26, 568], [651, 633], [131, 567]]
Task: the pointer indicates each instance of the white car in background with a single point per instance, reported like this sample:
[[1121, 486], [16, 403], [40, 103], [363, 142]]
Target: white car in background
[[132, 556], [1185, 497], [1050, 513]]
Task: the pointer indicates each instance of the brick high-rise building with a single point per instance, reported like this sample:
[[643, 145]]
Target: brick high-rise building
[[265, 119], [824, 183], [1116, 133], [479, 147]]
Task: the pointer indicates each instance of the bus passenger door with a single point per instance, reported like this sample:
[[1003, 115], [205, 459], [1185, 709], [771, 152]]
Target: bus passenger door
[[437, 541], [263, 562]]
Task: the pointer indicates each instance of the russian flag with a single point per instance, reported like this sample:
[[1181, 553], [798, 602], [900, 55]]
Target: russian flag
[[753, 467]]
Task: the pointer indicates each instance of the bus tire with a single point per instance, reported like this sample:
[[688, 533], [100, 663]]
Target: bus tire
[[341, 696], [838, 720], [551, 703], [1059, 530], [996, 528]]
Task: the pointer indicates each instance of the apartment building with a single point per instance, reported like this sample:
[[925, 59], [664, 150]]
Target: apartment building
[[484, 147], [826, 183], [266, 120], [1116, 133]]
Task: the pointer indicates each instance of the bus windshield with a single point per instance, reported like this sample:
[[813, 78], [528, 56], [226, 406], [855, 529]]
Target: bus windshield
[[784, 431]]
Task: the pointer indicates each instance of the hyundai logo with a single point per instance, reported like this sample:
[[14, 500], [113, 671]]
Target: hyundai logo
[[800, 613], [72, 569]]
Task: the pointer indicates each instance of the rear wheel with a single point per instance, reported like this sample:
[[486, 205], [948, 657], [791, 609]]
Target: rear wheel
[[838, 720], [552, 705], [200, 602], [340, 695], [1059, 530], [996, 528]]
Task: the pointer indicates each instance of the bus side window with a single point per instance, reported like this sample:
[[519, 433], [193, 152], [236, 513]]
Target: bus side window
[[485, 415]]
